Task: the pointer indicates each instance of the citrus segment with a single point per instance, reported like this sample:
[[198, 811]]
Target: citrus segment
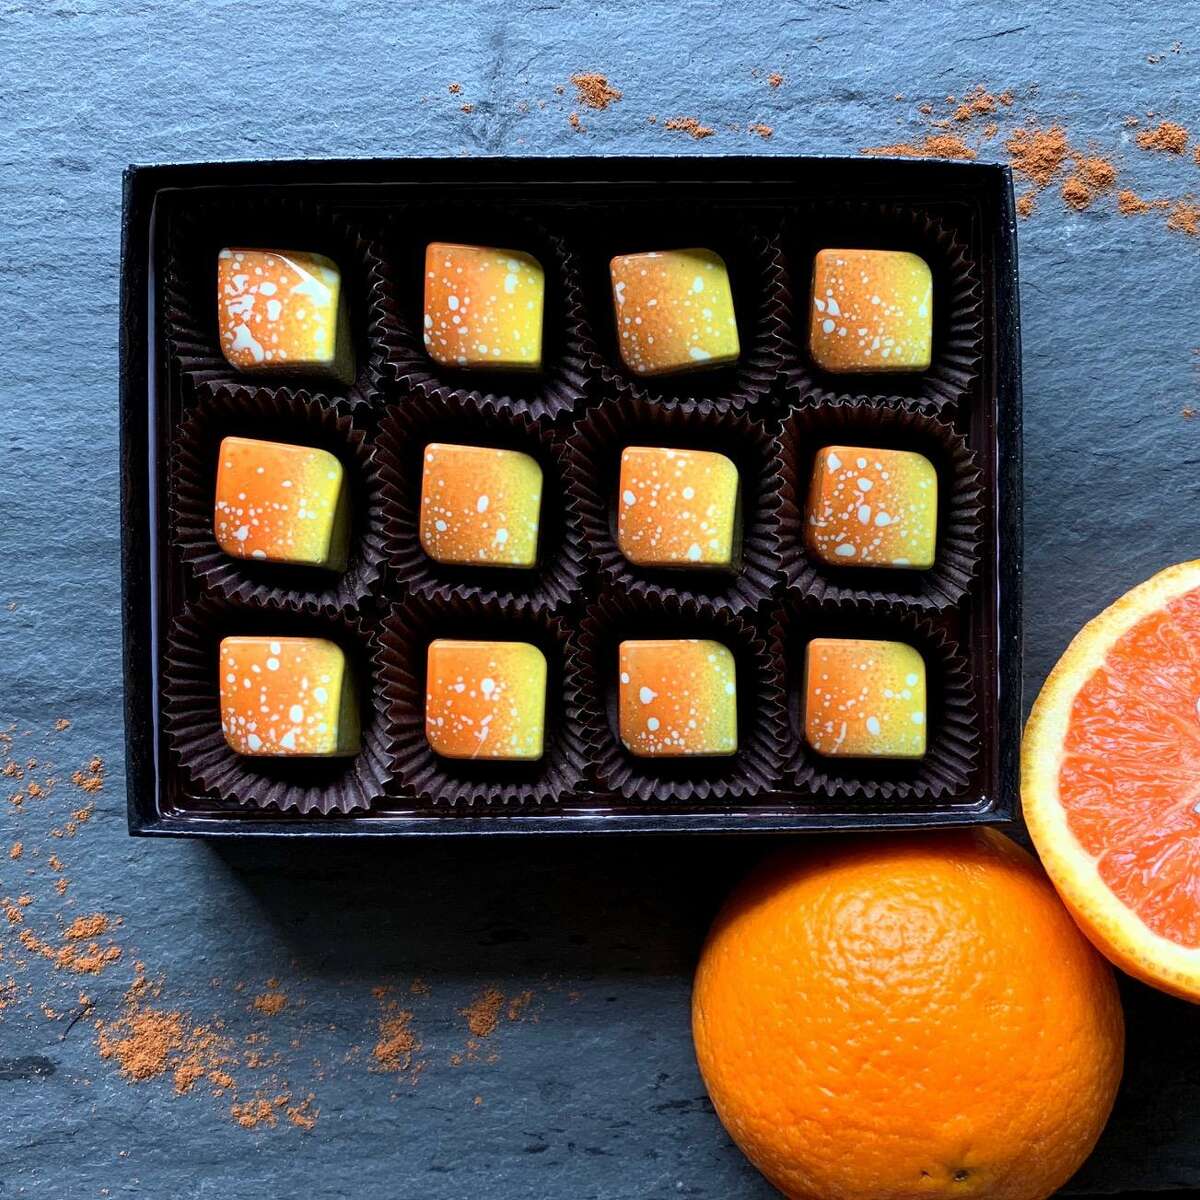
[[1110, 780]]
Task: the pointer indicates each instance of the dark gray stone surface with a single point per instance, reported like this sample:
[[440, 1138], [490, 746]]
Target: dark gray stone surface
[[599, 1096]]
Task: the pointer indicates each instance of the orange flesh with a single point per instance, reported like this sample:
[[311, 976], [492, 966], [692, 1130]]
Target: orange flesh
[[1129, 783]]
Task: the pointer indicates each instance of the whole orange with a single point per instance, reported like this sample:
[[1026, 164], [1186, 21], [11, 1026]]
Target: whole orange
[[914, 1016]]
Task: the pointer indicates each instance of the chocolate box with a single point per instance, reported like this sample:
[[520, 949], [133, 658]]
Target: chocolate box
[[766, 217]]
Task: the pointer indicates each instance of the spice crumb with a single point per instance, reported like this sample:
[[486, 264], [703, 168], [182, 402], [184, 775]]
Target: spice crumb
[[518, 1004], [976, 102], [62, 724], [91, 779], [1130, 204], [1168, 136], [1038, 154], [1185, 218], [397, 1042], [763, 131], [468, 108], [303, 1115], [86, 927], [1026, 204], [16, 850], [483, 1012], [593, 90], [775, 79], [575, 123], [1076, 193], [689, 125], [455, 89], [937, 145], [271, 1003], [250, 1114]]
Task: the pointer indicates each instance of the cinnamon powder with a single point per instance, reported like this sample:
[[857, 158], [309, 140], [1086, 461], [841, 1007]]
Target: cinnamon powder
[[92, 959], [978, 101], [593, 90], [1167, 136], [1093, 176], [937, 145], [1130, 204], [518, 1004], [1038, 154], [271, 1003], [397, 1042], [1076, 193], [250, 1114], [91, 779], [86, 927], [1185, 218], [483, 1012], [148, 1042], [690, 125]]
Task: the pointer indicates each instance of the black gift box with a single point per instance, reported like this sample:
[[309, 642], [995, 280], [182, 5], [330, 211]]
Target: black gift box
[[377, 207]]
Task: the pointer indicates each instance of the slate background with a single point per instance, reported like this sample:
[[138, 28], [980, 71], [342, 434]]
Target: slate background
[[599, 1097]]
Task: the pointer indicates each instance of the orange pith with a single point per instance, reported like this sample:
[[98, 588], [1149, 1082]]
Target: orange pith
[[1111, 780]]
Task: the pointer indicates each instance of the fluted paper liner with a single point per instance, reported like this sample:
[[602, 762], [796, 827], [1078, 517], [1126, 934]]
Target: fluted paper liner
[[192, 715], [562, 382], [479, 784], [880, 425], [710, 780], [594, 467], [947, 771], [266, 220], [957, 357], [410, 424], [278, 416], [754, 260]]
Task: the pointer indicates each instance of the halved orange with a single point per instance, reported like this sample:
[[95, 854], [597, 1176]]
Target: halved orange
[[1110, 780]]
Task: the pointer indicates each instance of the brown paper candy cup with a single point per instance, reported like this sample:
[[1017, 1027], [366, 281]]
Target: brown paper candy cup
[[952, 717], [479, 784], [753, 769], [594, 468], [880, 425], [279, 416], [264, 220], [411, 424], [753, 258], [954, 371], [562, 382], [192, 716]]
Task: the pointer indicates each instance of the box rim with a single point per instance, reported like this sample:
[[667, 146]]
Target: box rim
[[143, 183]]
